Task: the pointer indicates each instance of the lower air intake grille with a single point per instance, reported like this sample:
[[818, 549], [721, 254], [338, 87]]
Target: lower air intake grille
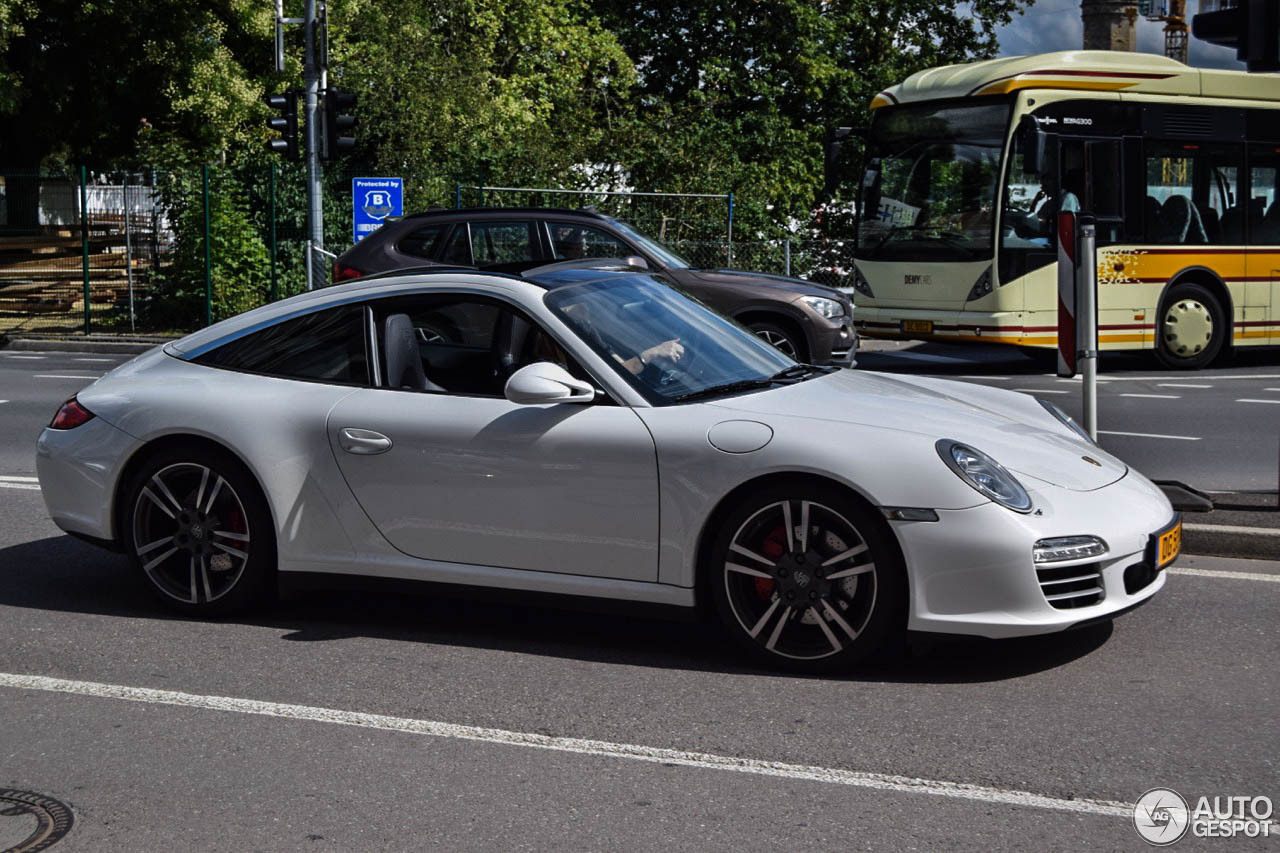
[[1069, 587]]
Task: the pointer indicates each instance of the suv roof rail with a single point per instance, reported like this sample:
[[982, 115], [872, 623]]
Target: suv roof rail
[[426, 270], [466, 211]]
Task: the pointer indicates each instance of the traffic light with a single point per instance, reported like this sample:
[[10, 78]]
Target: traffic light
[[336, 120], [286, 123], [831, 146], [1252, 27]]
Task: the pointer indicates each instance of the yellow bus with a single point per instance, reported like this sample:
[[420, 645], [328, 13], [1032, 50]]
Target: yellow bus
[[967, 166]]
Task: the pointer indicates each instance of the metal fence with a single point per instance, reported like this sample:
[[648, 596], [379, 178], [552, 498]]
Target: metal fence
[[167, 252]]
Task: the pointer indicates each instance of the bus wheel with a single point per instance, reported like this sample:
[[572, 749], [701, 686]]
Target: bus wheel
[[1192, 328]]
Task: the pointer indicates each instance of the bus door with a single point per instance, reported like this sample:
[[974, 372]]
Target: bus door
[[1264, 243]]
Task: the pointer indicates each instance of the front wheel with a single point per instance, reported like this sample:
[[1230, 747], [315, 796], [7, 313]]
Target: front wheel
[[784, 340], [198, 530], [806, 580], [1192, 328]]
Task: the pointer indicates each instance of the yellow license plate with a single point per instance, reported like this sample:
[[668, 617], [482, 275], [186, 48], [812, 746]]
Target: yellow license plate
[[919, 326], [1169, 546]]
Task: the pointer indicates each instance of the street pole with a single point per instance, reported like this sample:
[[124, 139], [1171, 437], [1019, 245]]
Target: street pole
[[311, 113], [1087, 321]]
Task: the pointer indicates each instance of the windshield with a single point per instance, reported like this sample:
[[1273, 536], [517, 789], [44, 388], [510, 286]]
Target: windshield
[[666, 345], [931, 179], [664, 255]]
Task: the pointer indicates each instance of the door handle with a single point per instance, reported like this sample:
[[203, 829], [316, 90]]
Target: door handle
[[363, 442]]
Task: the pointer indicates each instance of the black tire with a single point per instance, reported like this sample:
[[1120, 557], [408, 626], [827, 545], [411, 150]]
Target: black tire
[[1192, 327], [201, 542], [809, 611], [783, 338]]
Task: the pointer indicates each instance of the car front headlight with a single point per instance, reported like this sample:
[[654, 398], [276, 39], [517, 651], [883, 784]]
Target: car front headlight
[[984, 474], [1066, 420], [829, 308]]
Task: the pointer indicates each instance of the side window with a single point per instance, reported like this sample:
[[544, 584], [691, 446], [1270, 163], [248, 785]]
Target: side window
[[1264, 198], [460, 344], [422, 242], [1191, 194], [458, 250], [496, 243], [327, 345], [570, 240]]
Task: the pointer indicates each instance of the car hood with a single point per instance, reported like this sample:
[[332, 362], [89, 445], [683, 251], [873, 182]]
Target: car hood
[[797, 286], [1011, 427]]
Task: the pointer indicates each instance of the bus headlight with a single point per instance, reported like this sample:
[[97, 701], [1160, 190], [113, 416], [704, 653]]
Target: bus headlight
[[860, 283], [981, 287]]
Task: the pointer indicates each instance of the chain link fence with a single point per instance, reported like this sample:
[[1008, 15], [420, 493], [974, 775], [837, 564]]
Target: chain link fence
[[169, 251]]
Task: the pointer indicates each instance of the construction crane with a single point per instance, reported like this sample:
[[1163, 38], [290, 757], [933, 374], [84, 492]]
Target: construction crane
[[1174, 15]]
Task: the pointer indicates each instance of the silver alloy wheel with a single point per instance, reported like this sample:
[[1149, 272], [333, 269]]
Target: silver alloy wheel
[[1188, 327], [191, 533], [777, 340], [800, 579]]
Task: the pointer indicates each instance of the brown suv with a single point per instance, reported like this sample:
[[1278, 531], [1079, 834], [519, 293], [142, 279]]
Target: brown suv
[[810, 322]]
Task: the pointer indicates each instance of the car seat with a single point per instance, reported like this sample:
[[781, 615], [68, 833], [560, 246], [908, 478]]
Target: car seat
[[508, 344], [404, 359], [1178, 222]]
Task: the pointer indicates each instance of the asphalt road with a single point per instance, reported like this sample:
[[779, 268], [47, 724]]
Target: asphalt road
[[1217, 430], [399, 721]]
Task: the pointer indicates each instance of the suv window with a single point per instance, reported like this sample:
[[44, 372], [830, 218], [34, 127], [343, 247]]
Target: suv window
[[496, 243], [326, 345], [569, 240], [421, 242]]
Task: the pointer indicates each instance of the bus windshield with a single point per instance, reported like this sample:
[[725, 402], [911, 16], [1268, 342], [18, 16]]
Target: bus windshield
[[931, 180]]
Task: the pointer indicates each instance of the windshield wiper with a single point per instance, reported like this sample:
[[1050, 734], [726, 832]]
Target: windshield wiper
[[797, 371], [726, 388]]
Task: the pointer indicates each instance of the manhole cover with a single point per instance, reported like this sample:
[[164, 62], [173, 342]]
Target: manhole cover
[[31, 822]]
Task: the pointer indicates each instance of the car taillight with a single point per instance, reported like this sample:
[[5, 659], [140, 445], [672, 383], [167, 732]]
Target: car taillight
[[71, 415], [343, 273]]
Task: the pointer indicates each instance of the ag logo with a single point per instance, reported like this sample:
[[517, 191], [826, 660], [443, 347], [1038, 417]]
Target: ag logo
[[377, 204], [1161, 816]]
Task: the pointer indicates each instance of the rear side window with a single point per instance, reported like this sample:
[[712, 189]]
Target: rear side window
[[422, 242], [326, 346]]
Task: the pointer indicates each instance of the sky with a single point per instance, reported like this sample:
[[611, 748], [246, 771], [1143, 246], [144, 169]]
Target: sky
[[1055, 25]]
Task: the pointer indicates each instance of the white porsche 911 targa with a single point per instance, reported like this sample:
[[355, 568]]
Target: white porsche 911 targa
[[597, 433]]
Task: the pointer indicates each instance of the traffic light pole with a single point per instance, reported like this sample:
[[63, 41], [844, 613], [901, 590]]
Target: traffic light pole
[[311, 110]]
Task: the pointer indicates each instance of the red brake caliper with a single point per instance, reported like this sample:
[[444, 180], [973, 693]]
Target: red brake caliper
[[771, 548]]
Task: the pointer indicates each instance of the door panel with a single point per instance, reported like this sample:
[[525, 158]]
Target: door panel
[[562, 488]]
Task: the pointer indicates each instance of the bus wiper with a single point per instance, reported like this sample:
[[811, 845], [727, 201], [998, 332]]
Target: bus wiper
[[726, 388]]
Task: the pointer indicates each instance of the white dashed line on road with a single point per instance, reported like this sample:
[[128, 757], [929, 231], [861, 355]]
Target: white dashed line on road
[[605, 749], [93, 359], [1153, 396], [1042, 390], [63, 376], [28, 357], [1149, 435], [25, 487], [1239, 576], [17, 479], [1251, 400], [1180, 385]]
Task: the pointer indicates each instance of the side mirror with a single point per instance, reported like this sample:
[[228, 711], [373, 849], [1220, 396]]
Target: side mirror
[[1035, 145], [544, 382], [636, 261]]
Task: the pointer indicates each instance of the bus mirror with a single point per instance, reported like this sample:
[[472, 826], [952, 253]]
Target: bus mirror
[[1034, 143]]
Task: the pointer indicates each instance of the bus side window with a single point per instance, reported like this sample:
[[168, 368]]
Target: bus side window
[[1103, 195], [1171, 213], [1264, 195]]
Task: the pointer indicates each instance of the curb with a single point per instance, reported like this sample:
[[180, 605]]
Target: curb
[[1223, 540], [134, 347]]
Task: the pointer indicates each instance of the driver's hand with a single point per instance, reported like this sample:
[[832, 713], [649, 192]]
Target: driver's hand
[[673, 350]]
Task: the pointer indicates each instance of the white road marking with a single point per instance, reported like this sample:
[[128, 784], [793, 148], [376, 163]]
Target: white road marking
[[1251, 400], [63, 376], [1233, 528], [4, 401], [1149, 435], [93, 359], [30, 357], [15, 478], [634, 752], [1112, 378], [1153, 396], [1271, 389], [1042, 390], [1210, 573], [1181, 385], [992, 378], [29, 487]]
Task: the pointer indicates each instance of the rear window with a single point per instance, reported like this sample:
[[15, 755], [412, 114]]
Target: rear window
[[325, 346], [421, 242]]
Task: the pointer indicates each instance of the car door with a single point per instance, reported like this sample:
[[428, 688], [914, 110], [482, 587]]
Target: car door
[[466, 476], [505, 245]]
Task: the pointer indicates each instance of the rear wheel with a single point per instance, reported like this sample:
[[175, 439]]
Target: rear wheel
[[198, 530], [1192, 329], [806, 580]]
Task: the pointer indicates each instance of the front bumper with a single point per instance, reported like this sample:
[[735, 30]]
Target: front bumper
[[834, 342], [1007, 327], [971, 572], [78, 470]]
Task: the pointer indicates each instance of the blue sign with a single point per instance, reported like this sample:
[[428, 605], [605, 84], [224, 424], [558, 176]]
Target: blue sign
[[373, 200]]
